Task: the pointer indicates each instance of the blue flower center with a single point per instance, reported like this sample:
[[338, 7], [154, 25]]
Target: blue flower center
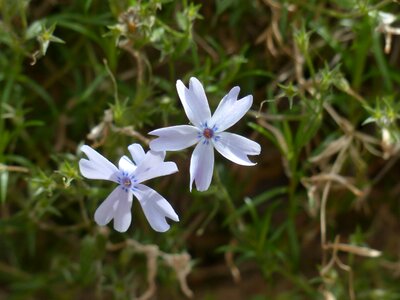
[[206, 134], [126, 181]]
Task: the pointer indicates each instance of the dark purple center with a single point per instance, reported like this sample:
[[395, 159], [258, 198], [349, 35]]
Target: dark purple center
[[127, 182], [208, 133]]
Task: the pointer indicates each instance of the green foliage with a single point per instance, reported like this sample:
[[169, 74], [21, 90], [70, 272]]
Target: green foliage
[[302, 224]]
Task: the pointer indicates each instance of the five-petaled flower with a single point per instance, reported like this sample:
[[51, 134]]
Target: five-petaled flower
[[129, 177], [208, 132]]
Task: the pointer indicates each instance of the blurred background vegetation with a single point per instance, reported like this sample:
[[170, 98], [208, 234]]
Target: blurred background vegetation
[[317, 218]]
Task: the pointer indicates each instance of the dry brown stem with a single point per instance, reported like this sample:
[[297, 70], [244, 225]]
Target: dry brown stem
[[18, 169], [336, 260], [229, 259], [180, 263]]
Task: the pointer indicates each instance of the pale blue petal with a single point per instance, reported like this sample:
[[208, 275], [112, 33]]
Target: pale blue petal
[[123, 214], [153, 165], [230, 111], [174, 138], [225, 105], [97, 166], [194, 101], [155, 208], [137, 153], [236, 148], [126, 165], [202, 166], [117, 206]]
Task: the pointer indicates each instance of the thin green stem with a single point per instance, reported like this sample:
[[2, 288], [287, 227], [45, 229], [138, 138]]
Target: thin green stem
[[293, 239], [228, 201]]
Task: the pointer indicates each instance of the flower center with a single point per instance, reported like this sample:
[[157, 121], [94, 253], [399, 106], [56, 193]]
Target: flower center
[[126, 182], [208, 133]]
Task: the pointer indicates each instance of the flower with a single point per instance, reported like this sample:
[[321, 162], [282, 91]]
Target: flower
[[208, 132], [129, 177]]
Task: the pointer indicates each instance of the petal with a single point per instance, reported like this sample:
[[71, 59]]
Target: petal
[[155, 208], [194, 101], [97, 167], [236, 148], [153, 165], [174, 138], [202, 166], [125, 164], [225, 104], [106, 211], [229, 111], [137, 153], [118, 206], [123, 215]]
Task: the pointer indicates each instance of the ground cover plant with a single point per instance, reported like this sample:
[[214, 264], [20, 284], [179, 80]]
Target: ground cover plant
[[317, 216]]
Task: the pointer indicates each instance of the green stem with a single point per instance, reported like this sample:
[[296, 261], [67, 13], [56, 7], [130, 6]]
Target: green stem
[[292, 233], [228, 201]]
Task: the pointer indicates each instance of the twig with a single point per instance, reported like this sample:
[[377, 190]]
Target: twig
[[127, 46], [180, 263], [339, 179], [114, 82], [13, 169], [235, 272]]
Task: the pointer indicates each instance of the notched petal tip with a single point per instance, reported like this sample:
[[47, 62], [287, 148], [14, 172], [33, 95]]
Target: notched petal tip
[[120, 230], [234, 92], [173, 168], [237, 148], [96, 166], [83, 148], [230, 110], [249, 98], [257, 149], [202, 188], [154, 132], [159, 153], [155, 207], [82, 161], [191, 183], [181, 88], [156, 145], [180, 82], [194, 80]]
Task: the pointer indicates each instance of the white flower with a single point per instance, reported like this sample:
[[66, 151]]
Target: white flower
[[208, 132], [129, 177]]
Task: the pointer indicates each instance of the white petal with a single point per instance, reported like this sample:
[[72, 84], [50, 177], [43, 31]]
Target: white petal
[[137, 153], [123, 215], [105, 212], [225, 104], [229, 111], [125, 164], [194, 101], [202, 166], [174, 138], [117, 206], [236, 148], [155, 208], [97, 167], [153, 165]]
